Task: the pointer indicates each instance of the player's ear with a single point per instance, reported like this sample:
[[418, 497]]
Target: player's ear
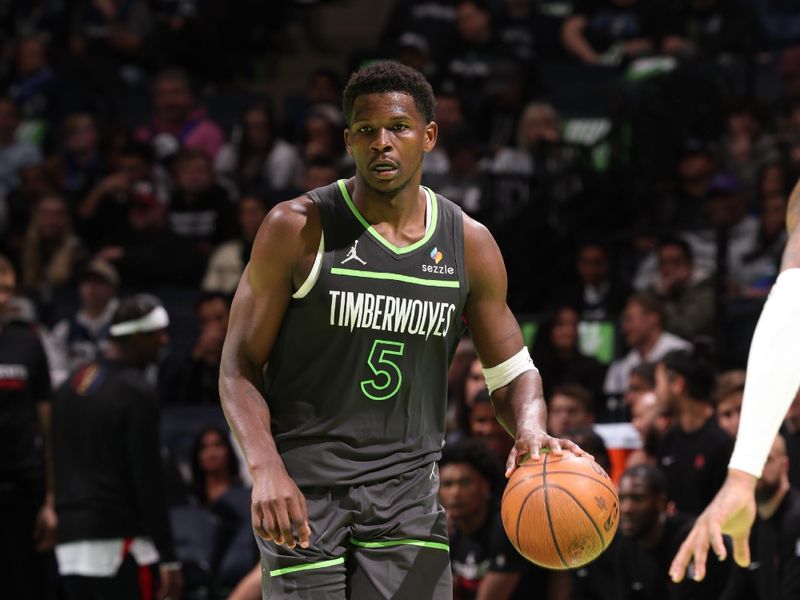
[[347, 145], [431, 134]]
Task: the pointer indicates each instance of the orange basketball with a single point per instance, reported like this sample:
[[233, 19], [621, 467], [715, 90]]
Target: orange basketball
[[560, 512]]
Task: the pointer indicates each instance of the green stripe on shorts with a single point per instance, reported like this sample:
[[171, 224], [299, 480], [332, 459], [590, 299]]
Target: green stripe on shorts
[[386, 544], [307, 567]]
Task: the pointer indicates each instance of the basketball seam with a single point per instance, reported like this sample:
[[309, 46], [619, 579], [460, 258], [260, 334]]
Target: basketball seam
[[529, 477], [586, 512], [547, 510]]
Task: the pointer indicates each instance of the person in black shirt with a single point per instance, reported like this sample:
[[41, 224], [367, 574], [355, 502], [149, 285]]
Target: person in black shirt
[[27, 520], [694, 452], [648, 538], [483, 561], [774, 571], [110, 499]]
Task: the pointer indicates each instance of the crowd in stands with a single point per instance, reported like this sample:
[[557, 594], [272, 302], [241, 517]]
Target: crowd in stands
[[632, 158]]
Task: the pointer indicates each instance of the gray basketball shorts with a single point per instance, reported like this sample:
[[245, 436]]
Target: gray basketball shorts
[[384, 540]]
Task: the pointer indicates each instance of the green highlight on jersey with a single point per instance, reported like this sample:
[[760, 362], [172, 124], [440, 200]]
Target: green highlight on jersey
[[391, 376], [372, 231], [307, 567], [408, 542], [447, 283]]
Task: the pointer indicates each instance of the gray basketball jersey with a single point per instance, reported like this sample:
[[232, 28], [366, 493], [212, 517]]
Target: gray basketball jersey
[[357, 380]]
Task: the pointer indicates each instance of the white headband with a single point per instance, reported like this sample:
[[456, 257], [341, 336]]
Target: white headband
[[153, 321]]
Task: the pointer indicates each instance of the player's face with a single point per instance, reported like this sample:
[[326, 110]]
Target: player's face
[[728, 410], [462, 490], [639, 508], [387, 138]]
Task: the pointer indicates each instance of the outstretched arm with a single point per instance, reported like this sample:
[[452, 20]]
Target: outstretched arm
[[519, 405], [280, 253], [772, 382]]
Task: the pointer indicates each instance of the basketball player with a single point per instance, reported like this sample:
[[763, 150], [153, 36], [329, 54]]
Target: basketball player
[[354, 299], [773, 377]]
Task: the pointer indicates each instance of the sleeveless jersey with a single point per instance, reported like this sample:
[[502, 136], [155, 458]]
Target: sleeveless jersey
[[357, 380]]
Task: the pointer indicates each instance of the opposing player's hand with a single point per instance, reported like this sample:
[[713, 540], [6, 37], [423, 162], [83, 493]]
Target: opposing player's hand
[[731, 512], [277, 506], [533, 442]]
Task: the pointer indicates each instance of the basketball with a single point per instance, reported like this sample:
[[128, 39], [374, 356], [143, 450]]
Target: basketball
[[560, 512]]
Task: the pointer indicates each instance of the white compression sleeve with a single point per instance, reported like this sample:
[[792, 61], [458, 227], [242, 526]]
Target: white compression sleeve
[[773, 374], [508, 370]]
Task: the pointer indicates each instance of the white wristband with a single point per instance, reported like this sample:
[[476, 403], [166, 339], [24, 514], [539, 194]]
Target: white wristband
[[773, 374], [508, 370]]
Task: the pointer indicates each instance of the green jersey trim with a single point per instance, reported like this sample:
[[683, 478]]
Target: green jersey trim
[[307, 567], [447, 283], [407, 542], [434, 205]]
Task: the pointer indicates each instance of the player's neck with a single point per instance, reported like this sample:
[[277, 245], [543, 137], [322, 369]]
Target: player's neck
[[398, 211]]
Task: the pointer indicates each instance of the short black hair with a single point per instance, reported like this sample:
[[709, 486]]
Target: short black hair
[[646, 371], [696, 368], [653, 476], [474, 453], [678, 242], [387, 77], [132, 308]]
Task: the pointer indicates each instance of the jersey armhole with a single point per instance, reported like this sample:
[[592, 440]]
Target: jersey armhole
[[308, 284]]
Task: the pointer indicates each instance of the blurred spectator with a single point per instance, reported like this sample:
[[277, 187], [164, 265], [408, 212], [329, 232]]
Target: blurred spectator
[[179, 121], [643, 330], [79, 164], [35, 87], [193, 378], [322, 135], [610, 31], [52, 253], [110, 499], [757, 267], [569, 407], [200, 210], [413, 50], [227, 262], [791, 433], [597, 293], [460, 367], [648, 538], [324, 87], [463, 182], [107, 39], [215, 468], [694, 452], [508, 88], [774, 570], [558, 357], [484, 426], [651, 420], [685, 208], [706, 29], [728, 400], [516, 25], [35, 182], [484, 563], [256, 158], [27, 519], [83, 337], [14, 154], [450, 119], [642, 379], [319, 171], [686, 294]]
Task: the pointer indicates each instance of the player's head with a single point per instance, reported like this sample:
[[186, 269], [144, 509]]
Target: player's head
[[728, 395], [8, 284], [642, 500], [776, 472], [685, 374], [139, 329], [468, 476]]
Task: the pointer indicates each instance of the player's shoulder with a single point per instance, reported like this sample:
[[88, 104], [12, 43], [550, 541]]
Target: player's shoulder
[[476, 232], [292, 214]]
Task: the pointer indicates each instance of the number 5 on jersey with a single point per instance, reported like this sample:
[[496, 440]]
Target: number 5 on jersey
[[388, 376]]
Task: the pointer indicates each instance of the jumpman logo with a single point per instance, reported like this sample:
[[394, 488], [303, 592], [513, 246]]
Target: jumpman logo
[[353, 256]]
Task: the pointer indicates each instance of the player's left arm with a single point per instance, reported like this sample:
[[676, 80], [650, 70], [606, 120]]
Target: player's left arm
[[519, 403]]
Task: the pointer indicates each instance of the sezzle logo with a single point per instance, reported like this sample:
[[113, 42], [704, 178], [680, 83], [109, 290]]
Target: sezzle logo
[[436, 257]]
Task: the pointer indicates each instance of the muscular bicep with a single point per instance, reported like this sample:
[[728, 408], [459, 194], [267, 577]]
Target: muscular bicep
[[494, 330]]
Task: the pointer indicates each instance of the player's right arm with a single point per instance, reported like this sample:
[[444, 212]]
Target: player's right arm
[[282, 255], [772, 382]]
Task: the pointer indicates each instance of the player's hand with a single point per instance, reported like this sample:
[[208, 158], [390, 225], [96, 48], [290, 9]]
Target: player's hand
[[277, 505], [731, 512], [44, 527], [531, 443]]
